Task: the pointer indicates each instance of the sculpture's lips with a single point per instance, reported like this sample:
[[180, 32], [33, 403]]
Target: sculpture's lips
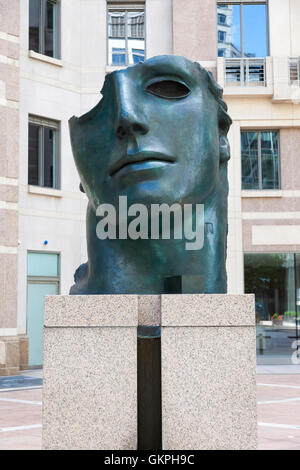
[[140, 161]]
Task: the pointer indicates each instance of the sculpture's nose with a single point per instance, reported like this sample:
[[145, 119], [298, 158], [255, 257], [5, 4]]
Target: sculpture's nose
[[130, 115]]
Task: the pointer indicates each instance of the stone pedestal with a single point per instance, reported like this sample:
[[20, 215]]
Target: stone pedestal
[[90, 384], [208, 368], [208, 372]]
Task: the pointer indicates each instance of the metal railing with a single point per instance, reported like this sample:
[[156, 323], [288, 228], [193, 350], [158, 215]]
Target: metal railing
[[294, 71], [244, 72]]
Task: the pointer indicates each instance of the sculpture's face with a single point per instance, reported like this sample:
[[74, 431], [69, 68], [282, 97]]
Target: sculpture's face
[[153, 137]]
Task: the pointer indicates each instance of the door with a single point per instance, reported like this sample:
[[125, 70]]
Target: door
[[36, 292]]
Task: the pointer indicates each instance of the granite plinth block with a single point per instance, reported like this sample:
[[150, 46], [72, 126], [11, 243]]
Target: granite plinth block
[[91, 310], [208, 366], [207, 310], [208, 362], [90, 383], [149, 307]]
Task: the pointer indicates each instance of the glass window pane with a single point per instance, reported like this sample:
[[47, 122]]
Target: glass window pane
[[34, 25], [116, 38], [49, 157], [271, 277], [221, 18], [136, 42], [135, 21], [118, 56], [221, 36], [255, 30], [116, 24], [229, 31], [250, 176], [50, 29], [138, 55], [269, 160], [33, 154], [43, 264]]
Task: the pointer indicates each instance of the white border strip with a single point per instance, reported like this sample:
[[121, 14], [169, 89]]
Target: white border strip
[[270, 215], [52, 214], [283, 426], [8, 331], [279, 385], [9, 181], [9, 37], [20, 428], [8, 250], [16, 389], [9, 103], [8, 60], [11, 206], [27, 402], [270, 402]]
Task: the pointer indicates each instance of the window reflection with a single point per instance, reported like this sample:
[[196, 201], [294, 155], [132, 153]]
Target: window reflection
[[250, 179], [260, 160], [271, 277], [136, 44], [50, 27], [126, 32], [269, 160], [229, 31], [255, 30], [33, 154], [43, 154], [34, 25], [43, 27], [245, 28], [49, 157]]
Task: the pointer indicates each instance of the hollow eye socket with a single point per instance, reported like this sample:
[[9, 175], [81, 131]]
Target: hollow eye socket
[[169, 89]]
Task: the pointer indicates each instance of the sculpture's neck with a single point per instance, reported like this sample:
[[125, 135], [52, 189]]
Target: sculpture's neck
[[140, 266]]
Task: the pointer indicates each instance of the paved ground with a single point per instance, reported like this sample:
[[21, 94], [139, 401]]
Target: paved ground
[[278, 397], [21, 411]]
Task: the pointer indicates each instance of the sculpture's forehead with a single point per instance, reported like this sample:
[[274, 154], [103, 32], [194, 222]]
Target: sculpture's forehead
[[167, 65]]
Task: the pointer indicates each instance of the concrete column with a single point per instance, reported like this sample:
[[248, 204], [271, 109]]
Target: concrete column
[[194, 30], [10, 349]]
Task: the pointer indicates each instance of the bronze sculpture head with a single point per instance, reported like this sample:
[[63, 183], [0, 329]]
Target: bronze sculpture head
[[157, 136]]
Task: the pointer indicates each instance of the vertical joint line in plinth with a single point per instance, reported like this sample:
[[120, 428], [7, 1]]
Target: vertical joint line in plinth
[[149, 400]]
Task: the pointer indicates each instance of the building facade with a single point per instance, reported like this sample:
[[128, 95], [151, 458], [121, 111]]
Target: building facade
[[54, 55]]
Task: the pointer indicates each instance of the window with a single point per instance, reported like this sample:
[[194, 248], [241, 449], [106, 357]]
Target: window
[[44, 26], [260, 160], [246, 26], [43, 152], [221, 36], [221, 18], [294, 70], [274, 278], [126, 35]]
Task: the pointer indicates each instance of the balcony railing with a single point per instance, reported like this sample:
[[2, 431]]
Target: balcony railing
[[245, 72], [294, 71]]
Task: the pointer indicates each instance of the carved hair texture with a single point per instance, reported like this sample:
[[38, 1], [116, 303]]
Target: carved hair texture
[[225, 120]]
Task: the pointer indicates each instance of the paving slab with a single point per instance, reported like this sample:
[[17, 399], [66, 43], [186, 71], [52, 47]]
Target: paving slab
[[277, 429]]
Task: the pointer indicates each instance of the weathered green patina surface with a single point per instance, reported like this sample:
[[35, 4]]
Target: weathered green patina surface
[[158, 135]]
